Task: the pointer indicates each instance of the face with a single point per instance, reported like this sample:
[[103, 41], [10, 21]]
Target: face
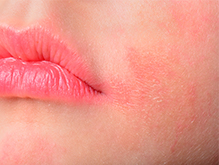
[[152, 67]]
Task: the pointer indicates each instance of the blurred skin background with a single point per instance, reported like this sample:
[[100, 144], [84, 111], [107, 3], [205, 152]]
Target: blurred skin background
[[158, 63]]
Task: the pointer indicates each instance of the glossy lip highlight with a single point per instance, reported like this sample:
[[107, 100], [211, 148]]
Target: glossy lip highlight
[[36, 63]]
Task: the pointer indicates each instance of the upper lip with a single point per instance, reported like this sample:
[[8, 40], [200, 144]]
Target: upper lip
[[37, 43]]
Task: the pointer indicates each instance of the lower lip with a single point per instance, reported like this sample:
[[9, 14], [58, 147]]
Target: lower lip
[[42, 80]]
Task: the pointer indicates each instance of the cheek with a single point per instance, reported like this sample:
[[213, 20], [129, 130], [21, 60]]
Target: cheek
[[145, 97], [146, 82], [194, 18], [162, 100]]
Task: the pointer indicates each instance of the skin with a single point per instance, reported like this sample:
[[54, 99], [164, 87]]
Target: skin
[[159, 61]]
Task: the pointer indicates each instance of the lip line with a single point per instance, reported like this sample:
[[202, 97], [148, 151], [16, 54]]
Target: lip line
[[55, 50], [36, 44]]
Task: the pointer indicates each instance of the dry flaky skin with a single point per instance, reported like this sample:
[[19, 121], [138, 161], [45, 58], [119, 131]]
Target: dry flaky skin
[[158, 65]]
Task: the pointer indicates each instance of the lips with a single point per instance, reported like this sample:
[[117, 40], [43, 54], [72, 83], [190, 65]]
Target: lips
[[37, 64]]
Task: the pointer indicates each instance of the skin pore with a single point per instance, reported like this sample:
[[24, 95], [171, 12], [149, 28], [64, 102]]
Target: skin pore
[[156, 63]]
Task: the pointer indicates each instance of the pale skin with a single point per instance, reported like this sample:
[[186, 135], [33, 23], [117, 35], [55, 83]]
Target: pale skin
[[160, 59]]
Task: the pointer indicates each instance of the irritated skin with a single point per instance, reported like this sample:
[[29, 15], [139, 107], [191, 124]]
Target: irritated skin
[[158, 65]]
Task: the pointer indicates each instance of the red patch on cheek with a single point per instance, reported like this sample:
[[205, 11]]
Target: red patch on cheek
[[150, 74], [20, 148], [194, 19]]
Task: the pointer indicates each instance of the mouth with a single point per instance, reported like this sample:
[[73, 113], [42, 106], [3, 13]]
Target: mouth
[[34, 63]]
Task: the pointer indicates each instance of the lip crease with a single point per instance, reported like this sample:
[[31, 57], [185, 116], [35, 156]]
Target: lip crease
[[34, 63]]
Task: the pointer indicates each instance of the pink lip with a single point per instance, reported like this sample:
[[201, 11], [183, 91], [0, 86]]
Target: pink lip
[[36, 63]]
